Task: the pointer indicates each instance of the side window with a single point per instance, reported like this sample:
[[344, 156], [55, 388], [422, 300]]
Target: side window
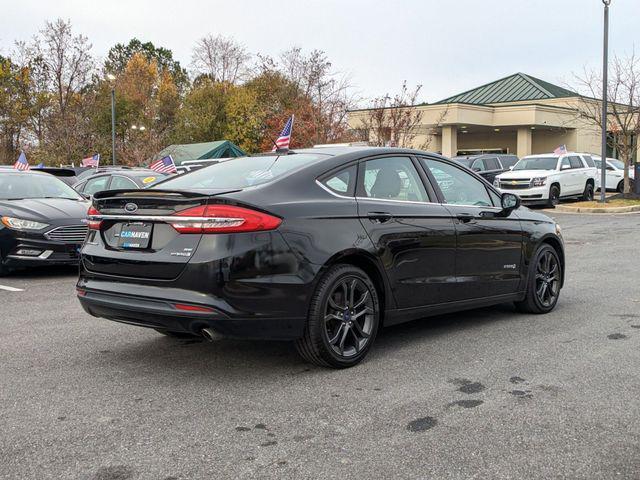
[[589, 160], [565, 163], [118, 182], [576, 162], [457, 186], [491, 163], [95, 185], [393, 178], [479, 166], [341, 182], [598, 163]]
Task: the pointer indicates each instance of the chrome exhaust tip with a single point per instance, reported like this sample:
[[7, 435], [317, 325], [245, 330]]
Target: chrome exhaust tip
[[209, 334]]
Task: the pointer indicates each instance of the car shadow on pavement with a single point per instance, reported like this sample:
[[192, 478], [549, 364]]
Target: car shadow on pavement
[[229, 358], [43, 272]]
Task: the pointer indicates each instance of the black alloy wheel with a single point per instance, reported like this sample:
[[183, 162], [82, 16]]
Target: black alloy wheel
[[348, 319], [587, 195], [343, 319], [543, 286], [554, 196]]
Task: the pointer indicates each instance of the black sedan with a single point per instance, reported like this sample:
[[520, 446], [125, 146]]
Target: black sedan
[[114, 178], [42, 220], [320, 246]]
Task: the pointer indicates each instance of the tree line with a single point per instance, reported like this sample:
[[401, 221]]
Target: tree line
[[55, 97]]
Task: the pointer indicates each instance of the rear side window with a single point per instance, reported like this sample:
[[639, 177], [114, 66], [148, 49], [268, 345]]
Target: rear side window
[[393, 178], [118, 183], [589, 160], [341, 182], [575, 162], [95, 185]]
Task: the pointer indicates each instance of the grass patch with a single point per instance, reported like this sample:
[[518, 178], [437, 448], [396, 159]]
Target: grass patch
[[611, 203]]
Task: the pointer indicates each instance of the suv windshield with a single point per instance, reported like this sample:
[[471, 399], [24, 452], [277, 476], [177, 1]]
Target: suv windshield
[[537, 163], [15, 186], [240, 172]]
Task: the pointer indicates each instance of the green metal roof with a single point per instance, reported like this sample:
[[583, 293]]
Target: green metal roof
[[514, 88], [201, 151]]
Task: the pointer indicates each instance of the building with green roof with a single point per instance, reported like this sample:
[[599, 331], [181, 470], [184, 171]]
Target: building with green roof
[[518, 114]]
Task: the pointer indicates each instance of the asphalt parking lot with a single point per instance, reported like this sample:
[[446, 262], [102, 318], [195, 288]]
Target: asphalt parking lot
[[482, 394]]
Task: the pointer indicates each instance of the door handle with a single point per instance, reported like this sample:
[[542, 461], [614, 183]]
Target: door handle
[[379, 217], [465, 217]]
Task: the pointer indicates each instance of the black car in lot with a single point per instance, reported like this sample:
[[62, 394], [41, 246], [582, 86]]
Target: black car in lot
[[488, 165], [116, 178], [319, 246], [42, 220]]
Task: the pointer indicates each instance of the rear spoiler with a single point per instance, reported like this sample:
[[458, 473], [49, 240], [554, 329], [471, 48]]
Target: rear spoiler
[[144, 193]]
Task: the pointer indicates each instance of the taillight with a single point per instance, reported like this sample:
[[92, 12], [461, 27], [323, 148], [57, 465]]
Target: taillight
[[93, 224], [223, 219]]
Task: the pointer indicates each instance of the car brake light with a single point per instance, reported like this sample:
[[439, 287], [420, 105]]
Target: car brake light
[[193, 308], [223, 219], [93, 224]]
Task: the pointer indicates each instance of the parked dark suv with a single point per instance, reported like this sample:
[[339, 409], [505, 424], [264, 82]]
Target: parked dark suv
[[319, 246], [488, 165]]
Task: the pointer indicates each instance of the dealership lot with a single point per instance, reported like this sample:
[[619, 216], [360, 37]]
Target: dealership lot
[[487, 394]]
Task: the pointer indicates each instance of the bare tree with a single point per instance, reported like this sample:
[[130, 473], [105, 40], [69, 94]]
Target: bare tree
[[623, 115], [395, 120], [330, 92], [222, 58]]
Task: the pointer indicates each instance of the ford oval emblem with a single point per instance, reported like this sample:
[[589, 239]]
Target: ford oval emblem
[[130, 207]]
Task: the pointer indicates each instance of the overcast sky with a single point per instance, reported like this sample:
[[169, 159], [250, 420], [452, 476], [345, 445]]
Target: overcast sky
[[448, 46]]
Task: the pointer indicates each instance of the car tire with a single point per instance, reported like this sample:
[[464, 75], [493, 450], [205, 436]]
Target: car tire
[[171, 334], [543, 282], [554, 196], [620, 187], [588, 194], [343, 319]]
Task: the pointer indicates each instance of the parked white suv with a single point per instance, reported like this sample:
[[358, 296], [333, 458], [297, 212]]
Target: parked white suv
[[615, 173], [546, 178]]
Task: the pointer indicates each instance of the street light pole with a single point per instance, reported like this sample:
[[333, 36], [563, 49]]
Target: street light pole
[[112, 78], [113, 124], [605, 81]]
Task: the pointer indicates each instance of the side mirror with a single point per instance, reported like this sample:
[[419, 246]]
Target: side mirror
[[476, 169], [509, 201], [565, 167], [86, 196]]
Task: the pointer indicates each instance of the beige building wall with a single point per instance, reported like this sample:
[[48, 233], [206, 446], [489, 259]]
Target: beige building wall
[[555, 122]]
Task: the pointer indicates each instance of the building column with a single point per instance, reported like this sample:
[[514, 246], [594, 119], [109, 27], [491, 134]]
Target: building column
[[450, 141], [524, 142]]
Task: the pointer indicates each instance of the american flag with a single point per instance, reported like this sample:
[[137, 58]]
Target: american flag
[[164, 165], [561, 150], [91, 161], [285, 135], [21, 163]]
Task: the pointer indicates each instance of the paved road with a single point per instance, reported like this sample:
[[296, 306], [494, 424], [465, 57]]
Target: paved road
[[482, 394]]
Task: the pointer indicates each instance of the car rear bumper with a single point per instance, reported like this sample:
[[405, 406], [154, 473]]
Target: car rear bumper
[[205, 312]]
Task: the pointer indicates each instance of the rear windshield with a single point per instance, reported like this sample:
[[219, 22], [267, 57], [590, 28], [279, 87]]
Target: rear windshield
[[15, 186], [537, 163], [240, 172]]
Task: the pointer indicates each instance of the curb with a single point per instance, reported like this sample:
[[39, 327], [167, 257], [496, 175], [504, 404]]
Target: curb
[[568, 209]]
